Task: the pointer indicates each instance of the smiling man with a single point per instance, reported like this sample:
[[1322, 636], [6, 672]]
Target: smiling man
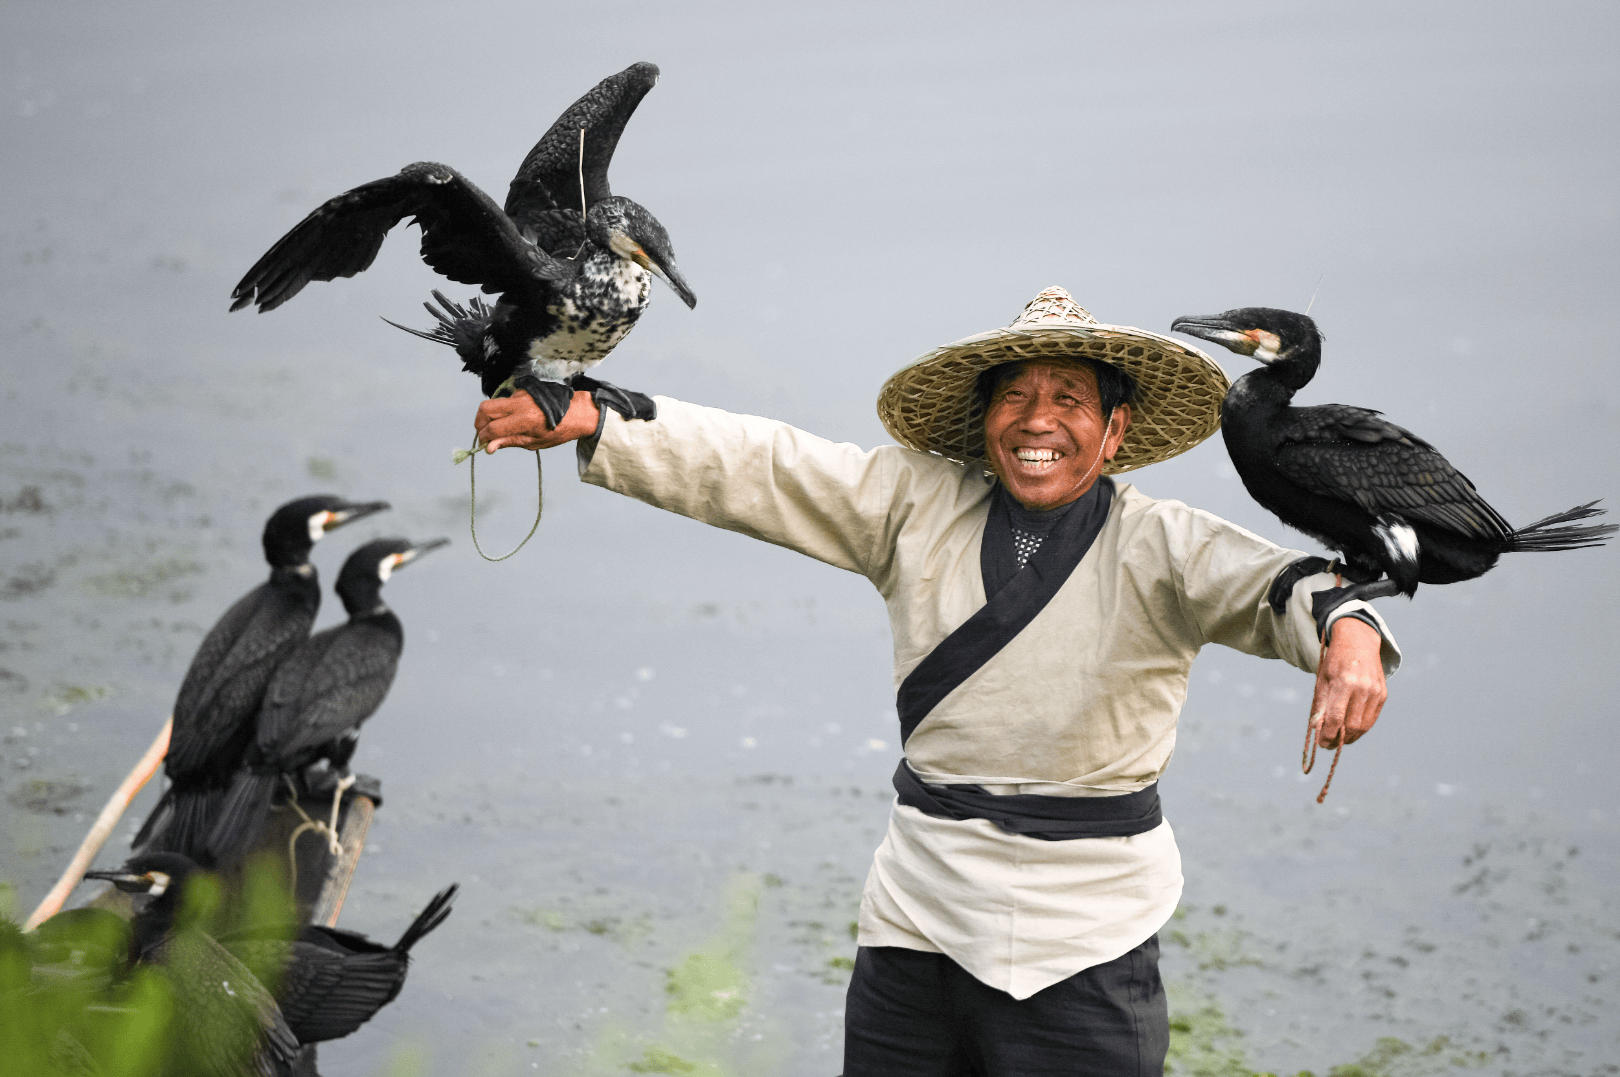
[[1045, 620]]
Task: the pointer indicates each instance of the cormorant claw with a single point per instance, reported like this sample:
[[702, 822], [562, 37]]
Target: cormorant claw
[[1282, 588], [551, 397], [627, 402], [1323, 603]]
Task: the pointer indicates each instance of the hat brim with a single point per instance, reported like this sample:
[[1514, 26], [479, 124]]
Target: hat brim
[[933, 404]]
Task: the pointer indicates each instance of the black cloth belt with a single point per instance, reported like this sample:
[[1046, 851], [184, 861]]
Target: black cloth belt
[[1032, 814]]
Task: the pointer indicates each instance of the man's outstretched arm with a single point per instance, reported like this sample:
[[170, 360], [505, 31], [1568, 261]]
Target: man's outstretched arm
[[516, 421]]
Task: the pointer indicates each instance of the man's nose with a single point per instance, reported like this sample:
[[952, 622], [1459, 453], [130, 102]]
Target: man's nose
[[1039, 415]]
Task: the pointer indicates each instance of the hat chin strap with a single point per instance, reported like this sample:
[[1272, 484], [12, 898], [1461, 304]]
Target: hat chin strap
[[1101, 445]]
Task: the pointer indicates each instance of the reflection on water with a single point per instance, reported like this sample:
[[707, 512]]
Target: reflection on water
[[657, 756]]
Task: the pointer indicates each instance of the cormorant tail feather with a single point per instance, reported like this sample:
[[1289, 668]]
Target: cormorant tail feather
[[428, 919], [144, 834], [1544, 536], [461, 327], [247, 804], [192, 813]]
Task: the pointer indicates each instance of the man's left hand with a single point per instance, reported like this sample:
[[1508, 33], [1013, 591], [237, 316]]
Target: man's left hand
[[1350, 689]]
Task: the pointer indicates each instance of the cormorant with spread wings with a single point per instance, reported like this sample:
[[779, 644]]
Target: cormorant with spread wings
[[571, 262], [1381, 496]]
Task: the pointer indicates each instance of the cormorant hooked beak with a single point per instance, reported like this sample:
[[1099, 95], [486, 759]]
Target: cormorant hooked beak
[[336, 518], [151, 882], [390, 562], [670, 276], [418, 550], [1218, 329]]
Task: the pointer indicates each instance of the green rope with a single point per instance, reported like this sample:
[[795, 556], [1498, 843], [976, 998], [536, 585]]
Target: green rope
[[472, 508]]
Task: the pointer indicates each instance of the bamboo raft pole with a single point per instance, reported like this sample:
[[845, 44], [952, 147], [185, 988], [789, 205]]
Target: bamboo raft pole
[[114, 810]]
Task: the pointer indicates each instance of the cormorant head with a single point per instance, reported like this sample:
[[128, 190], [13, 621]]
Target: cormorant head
[[368, 568], [294, 529], [630, 232], [149, 873], [1263, 333]]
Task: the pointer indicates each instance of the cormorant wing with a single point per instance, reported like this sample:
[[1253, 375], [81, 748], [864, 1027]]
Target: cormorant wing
[[1355, 454], [544, 198], [465, 236], [323, 993], [227, 677], [224, 1015], [316, 702]]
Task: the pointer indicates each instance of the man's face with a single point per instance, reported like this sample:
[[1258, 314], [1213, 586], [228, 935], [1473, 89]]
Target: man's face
[[1046, 436]]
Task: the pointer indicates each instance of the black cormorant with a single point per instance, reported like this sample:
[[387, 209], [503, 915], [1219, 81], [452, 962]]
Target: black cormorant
[[1381, 496], [329, 982], [572, 280], [320, 695], [224, 1020], [223, 689]]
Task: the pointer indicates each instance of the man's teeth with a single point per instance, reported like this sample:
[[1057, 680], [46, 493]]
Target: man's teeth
[[1038, 456]]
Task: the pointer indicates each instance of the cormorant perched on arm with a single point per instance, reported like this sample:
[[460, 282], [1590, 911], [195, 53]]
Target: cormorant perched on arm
[[329, 982], [570, 260], [222, 691], [224, 1022], [320, 695], [1381, 496]]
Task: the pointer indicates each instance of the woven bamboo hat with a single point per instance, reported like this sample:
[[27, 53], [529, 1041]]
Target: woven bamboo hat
[[933, 404]]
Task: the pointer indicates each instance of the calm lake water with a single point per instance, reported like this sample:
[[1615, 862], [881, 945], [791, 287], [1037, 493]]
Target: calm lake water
[[656, 756]]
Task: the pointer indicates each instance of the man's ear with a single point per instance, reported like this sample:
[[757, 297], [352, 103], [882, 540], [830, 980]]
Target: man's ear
[[1119, 422]]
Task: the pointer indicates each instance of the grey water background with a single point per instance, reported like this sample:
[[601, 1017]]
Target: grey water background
[[656, 755]]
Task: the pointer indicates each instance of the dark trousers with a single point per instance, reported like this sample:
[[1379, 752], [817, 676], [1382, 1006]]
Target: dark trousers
[[916, 1014]]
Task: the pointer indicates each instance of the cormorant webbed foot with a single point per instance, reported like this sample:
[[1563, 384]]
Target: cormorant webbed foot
[[627, 402], [551, 397], [1282, 588], [1323, 603], [317, 780]]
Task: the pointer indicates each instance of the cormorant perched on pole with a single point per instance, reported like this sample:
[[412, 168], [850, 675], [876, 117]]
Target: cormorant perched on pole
[[570, 260], [224, 1022], [1381, 496], [329, 982], [320, 695], [223, 689]]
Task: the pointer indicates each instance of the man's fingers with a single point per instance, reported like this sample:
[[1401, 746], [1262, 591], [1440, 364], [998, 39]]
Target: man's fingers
[[1327, 712], [1332, 728], [515, 442]]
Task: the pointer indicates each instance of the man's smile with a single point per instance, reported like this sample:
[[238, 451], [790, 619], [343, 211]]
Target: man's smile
[[1037, 461]]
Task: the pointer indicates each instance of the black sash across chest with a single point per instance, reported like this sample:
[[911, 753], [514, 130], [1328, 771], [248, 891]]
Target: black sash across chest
[[979, 639]]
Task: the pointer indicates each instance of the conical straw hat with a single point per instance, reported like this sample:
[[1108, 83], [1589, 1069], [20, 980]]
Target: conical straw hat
[[933, 404]]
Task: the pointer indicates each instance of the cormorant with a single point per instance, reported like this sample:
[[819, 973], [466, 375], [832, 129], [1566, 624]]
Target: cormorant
[[330, 982], [320, 695], [572, 280], [223, 689], [224, 1022], [1381, 496]]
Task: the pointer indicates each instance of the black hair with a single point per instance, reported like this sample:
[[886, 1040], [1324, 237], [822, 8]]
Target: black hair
[[1115, 385]]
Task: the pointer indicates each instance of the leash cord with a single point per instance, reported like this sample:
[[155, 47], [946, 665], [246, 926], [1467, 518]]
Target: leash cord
[[1307, 758], [472, 507]]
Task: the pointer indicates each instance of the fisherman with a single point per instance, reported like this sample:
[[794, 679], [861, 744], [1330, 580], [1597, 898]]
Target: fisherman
[[1045, 619]]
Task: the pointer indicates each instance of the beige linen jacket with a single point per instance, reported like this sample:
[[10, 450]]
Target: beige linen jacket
[[1083, 702]]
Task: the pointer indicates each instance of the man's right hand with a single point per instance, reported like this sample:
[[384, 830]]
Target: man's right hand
[[517, 420]]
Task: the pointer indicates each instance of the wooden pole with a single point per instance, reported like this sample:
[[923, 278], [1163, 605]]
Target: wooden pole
[[103, 828]]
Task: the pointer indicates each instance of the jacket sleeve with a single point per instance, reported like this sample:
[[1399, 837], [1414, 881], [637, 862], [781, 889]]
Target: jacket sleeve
[[1226, 574], [756, 476]]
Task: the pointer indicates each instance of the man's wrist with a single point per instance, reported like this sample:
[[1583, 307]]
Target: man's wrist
[[582, 419]]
